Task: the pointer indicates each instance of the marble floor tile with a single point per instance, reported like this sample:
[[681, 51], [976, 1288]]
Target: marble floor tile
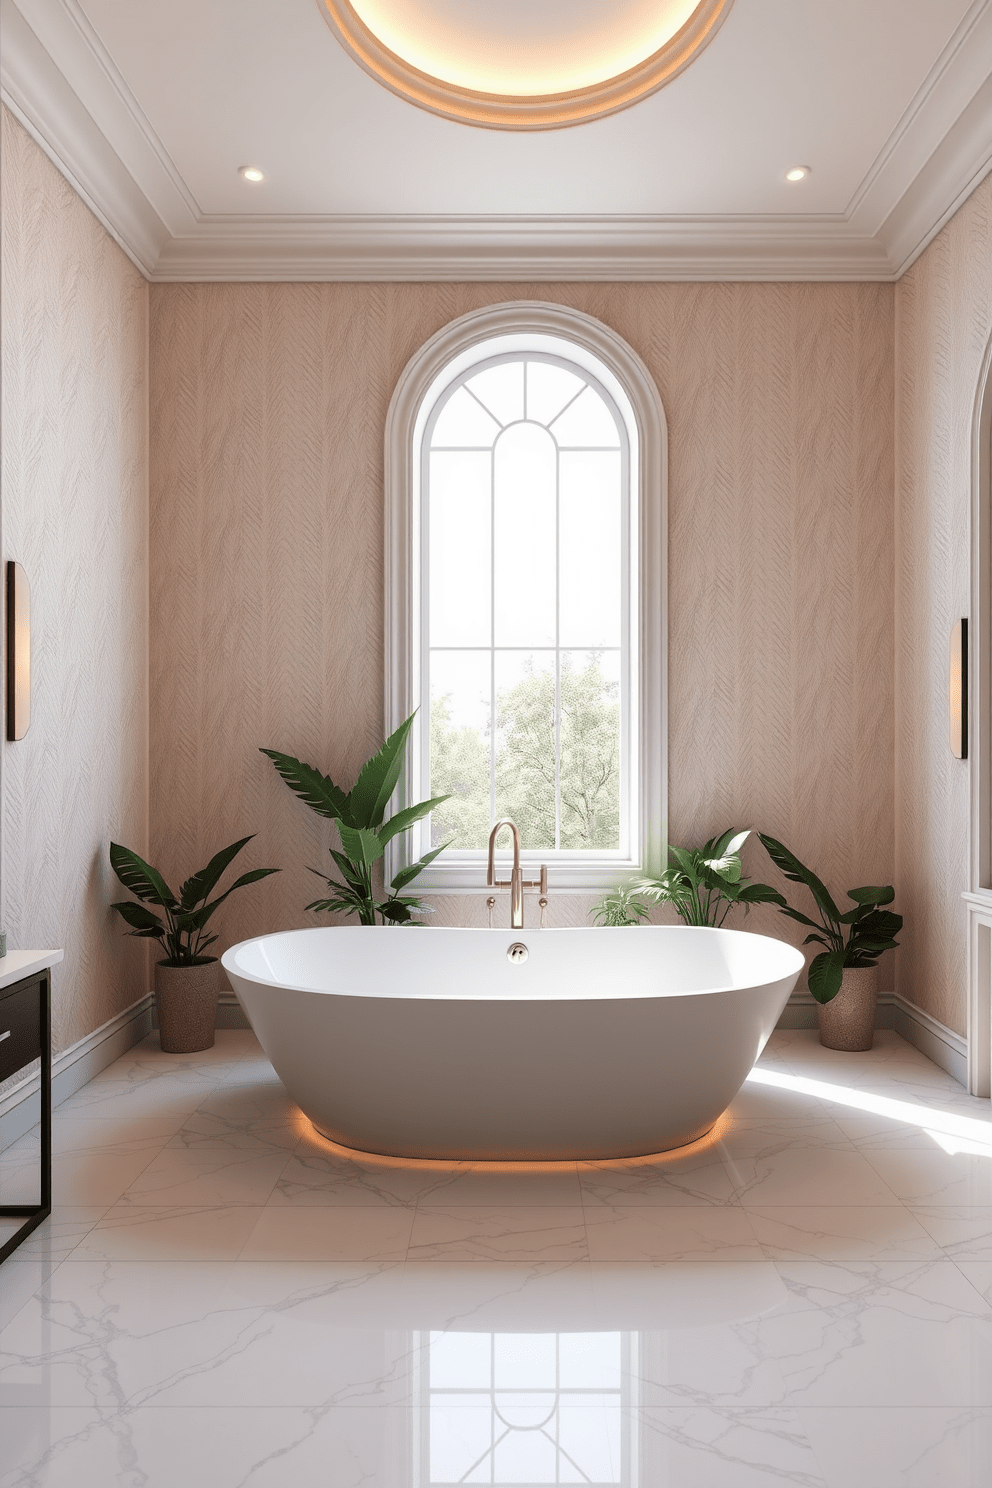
[[510, 1185], [706, 1448], [208, 1131], [935, 1178], [76, 1133], [525, 1234], [670, 1234], [979, 1273], [272, 1447], [881, 1334], [134, 1233], [96, 1176], [963, 1233], [900, 1448], [842, 1232], [252, 1099], [20, 1279], [57, 1236], [327, 1234], [142, 1092], [769, 1166], [686, 1178], [318, 1176], [211, 1175]]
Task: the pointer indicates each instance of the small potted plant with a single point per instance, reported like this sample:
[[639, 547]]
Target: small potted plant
[[185, 979], [364, 833], [704, 883], [844, 976]]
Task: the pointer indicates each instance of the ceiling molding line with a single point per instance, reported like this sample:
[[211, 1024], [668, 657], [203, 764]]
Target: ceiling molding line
[[38, 95], [933, 113], [959, 164], [408, 249]]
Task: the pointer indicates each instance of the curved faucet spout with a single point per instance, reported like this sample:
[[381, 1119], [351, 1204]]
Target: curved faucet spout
[[516, 877]]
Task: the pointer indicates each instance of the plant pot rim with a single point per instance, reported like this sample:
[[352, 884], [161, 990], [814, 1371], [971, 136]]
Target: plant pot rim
[[188, 965]]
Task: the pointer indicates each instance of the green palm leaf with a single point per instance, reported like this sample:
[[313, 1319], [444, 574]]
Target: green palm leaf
[[318, 791], [370, 794], [139, 877]]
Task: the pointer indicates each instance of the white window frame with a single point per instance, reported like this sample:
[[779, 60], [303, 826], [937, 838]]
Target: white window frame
[[561, 332]]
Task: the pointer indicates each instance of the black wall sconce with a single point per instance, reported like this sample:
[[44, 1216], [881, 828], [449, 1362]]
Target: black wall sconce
[[18, 652], [959, 690]]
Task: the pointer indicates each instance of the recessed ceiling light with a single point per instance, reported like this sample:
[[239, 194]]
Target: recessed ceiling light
[[798, 173], [251, 172]]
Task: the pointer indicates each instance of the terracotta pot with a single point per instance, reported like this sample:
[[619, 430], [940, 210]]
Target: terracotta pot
[[186, 1000], [848, 1021]]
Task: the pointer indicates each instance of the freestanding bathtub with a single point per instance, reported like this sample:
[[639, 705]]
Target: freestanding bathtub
[[451, 1043]]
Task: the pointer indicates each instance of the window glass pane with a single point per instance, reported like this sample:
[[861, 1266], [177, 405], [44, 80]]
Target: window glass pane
[[462, 422], [589, 766], [525, 744], [589, 1361], [459, 747], [461, 1432], [524, 523], [590, 549], [549, 388], [525, 1457], [590, 1437], [501, 389], [526, 1361], [460, 523], [586, 423], [460, 1361]]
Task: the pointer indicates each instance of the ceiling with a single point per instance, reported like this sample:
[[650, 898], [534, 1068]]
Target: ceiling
[[150, 108]]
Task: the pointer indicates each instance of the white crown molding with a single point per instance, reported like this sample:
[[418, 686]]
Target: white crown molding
[[938, 152], [516, 249], [58, 80]]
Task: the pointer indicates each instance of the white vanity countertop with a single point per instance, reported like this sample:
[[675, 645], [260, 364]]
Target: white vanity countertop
[[18, 964]]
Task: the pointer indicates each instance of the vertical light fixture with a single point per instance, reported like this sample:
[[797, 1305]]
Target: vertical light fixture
[[959, 690], [18, 652]]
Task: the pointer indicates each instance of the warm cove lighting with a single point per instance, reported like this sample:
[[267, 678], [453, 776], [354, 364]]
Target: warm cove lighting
[[524, 64]]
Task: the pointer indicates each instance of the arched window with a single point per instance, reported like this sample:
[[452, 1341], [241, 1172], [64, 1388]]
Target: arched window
[[525, 472]]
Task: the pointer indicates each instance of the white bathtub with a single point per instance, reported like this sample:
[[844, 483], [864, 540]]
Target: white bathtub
[[431, 1043]]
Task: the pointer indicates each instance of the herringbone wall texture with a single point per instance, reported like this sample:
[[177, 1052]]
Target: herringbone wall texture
[[943, 325], [75, 319], [267, 409]]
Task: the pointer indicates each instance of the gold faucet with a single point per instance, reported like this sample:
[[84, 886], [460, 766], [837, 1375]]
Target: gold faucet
[[516, 883]]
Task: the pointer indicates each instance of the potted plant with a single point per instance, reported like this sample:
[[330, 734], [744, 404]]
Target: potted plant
[[185, 979], [359, 814], [843, 978], [703, 884]]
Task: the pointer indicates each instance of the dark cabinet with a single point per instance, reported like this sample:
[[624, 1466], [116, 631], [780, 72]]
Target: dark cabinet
[[25, 1035]]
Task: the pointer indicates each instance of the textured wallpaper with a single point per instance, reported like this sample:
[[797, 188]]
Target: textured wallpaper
[[75, 314], [943, 324], [268, 404]]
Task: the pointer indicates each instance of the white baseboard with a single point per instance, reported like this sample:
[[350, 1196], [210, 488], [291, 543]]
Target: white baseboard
[[947, 1049], [74, 1068]]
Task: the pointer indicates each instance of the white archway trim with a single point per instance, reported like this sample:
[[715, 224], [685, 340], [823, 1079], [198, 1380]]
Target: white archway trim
[[519, 325], [979, 895]]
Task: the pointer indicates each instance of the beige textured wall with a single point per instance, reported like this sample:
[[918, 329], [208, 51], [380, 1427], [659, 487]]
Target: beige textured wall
[[75, 315], [267, 410], [943, 325]]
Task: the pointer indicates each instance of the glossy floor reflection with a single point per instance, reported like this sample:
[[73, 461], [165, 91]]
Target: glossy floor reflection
[[222, 1298]]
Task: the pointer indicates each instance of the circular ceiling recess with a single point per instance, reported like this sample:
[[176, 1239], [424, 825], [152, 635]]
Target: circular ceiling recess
[[524, 64]]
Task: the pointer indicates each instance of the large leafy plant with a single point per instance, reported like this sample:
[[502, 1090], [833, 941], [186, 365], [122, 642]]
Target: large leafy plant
[[181, 928], [856, 937], [703, 884], [364, 834], [619, 907]]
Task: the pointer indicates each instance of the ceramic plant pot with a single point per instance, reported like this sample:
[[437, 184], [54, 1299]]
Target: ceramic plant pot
[[848, 1020], [186, 999]]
